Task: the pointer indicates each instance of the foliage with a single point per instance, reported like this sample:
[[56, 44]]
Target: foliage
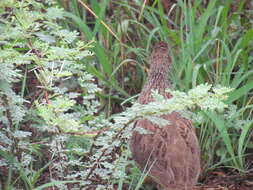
[[57, 127], [35, 46]]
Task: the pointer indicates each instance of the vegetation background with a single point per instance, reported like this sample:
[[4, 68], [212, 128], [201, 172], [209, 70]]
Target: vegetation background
[[71, 70]]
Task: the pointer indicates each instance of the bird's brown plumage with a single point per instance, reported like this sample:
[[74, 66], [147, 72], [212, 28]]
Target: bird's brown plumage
[[170, 152]]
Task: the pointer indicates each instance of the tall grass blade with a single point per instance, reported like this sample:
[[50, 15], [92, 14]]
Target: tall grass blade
[[221, 126]]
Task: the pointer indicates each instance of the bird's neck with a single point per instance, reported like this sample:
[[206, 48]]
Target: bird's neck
[[157, 80]]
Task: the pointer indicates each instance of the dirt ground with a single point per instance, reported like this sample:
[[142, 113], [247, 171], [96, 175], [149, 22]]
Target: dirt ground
[[222, 181], [218, 180]]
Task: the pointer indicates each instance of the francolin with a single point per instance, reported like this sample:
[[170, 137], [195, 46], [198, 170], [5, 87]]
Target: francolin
[[171, 153]]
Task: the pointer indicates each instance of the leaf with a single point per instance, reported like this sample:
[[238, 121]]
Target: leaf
[[238, 93]]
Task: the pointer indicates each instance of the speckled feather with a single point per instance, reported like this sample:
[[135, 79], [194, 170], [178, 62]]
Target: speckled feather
[[173, 150]]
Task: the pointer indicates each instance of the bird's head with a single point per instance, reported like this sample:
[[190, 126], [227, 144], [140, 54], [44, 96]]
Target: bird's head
[[160, 60]]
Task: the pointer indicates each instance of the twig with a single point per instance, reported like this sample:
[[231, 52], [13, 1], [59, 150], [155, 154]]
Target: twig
[[102, 22], [104, 151]]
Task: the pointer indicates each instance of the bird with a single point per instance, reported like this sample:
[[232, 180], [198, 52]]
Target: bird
[[170, 153]]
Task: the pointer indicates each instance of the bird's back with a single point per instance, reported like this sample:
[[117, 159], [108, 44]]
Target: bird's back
[[170, 152]]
